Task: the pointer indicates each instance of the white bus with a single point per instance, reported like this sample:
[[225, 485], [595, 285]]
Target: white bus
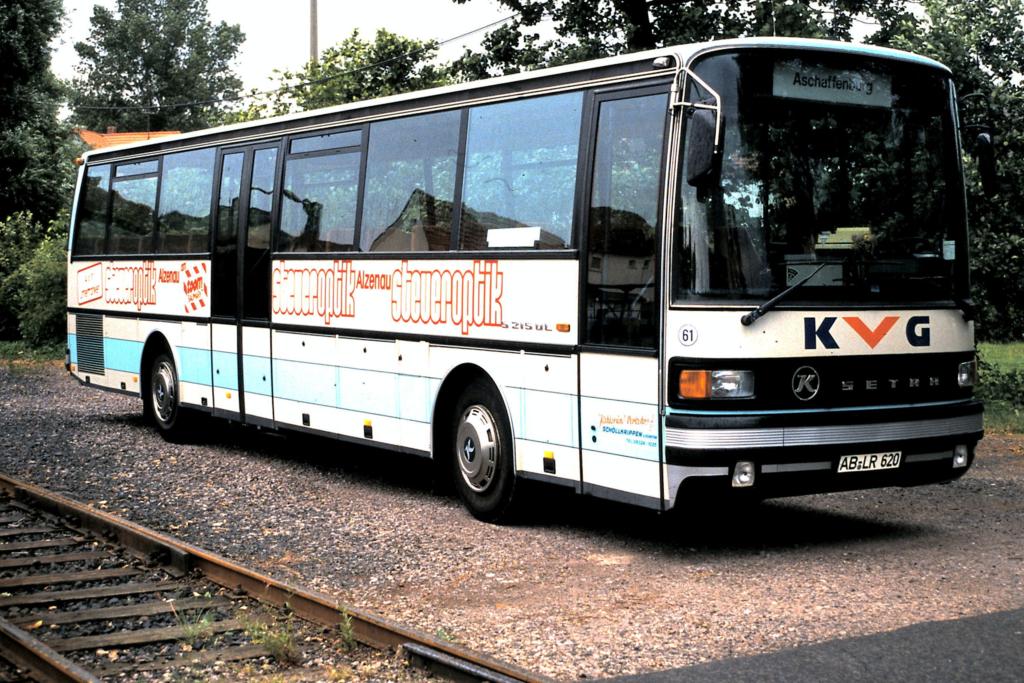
[[738, 266]]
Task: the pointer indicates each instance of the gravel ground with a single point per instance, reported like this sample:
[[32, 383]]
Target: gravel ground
[[583, 588]]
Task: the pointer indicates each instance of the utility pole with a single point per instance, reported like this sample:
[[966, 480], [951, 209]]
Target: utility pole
[[313, 52]]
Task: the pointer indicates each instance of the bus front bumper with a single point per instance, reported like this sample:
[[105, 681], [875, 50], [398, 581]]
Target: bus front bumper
[[789, 455]]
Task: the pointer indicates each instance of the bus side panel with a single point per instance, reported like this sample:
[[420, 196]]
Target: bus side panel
[[224, 351], [415, 391], [348, 387], [122, 353], [193, 360], [256, 375], [619, 427]]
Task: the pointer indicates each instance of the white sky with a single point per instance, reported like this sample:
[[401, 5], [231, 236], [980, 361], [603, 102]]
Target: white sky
[[277, 31]]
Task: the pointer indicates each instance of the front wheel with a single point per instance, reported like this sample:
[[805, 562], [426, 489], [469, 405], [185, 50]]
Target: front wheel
[[484, 458], [163, 397]]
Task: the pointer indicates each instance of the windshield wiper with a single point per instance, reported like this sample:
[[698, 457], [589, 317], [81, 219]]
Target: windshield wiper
[[749, 318]]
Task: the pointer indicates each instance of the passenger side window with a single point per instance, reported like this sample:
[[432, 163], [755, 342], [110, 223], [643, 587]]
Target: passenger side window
[[132, 219], [91, 233], [521, 173], [622, 268], [186, 190], [320, 195], [410, 183]]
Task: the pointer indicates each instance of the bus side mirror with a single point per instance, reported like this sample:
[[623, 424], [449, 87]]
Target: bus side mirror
[[700, 146], [985, 154]]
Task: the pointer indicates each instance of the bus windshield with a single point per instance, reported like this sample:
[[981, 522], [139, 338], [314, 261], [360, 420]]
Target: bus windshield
[[833, 165]]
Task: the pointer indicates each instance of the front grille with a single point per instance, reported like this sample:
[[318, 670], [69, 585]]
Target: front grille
[[844, 381], [89, 343]]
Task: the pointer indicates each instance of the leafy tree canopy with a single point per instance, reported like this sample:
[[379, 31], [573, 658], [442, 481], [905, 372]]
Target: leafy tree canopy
[[587, 29], [35, 151], [353, 70], [149, 56]]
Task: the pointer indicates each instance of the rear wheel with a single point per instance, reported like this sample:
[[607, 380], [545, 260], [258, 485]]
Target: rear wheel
[[483, 458]]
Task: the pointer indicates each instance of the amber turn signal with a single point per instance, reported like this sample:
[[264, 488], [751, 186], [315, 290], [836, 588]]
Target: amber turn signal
[[694, 383]]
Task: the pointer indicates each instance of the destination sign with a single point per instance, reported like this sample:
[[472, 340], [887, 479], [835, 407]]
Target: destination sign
[[798, 80]]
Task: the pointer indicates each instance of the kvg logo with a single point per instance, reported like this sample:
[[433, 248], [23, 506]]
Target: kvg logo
[[917, 330]]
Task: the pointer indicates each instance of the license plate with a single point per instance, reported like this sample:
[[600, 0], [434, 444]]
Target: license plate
[[870, 462]]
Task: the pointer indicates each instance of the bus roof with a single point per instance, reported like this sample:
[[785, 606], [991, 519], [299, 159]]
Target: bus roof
[[682, 54]]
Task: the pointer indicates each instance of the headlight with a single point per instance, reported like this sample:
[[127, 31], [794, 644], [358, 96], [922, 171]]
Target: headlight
[[716, 384], [967, 374]]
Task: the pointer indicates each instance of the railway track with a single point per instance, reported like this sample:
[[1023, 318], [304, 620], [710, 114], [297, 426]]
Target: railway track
[[87, 596]]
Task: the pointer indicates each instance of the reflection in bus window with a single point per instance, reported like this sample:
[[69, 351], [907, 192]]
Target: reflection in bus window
[[92, 211], [256, 283], [225, 245], [521, 173], [318, 212], [621, 290], [131, 220], [410, 183], [186, 185]]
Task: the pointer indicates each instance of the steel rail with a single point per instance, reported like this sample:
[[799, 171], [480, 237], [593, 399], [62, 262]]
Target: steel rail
[[44, 663], [368, 628]]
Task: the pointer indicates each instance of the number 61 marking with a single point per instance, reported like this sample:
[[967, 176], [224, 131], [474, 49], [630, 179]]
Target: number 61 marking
[[687, 335]]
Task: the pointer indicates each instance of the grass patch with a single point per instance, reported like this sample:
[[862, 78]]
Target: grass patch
[[1001, 386], [1006, 357], [23, 351], [1002, 417]]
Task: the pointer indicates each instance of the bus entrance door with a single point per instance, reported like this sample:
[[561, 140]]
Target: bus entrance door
[[242, 375], [620, 453]]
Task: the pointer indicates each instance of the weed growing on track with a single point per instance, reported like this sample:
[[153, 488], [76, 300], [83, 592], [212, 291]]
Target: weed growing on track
[[195, 627], [279, 639], [345, 632], [444, 635]]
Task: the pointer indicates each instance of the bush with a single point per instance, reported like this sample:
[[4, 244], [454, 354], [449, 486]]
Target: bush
[[19, 236], [1006, 386], [36, 289], [41, 298]]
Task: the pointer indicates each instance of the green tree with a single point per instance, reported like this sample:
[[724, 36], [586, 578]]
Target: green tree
[[982, 41], [35, 149], [145, 63], [353, 70], [587, 29]]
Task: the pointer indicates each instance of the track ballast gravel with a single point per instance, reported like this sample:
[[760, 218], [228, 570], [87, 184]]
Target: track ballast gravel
[[581, 588]]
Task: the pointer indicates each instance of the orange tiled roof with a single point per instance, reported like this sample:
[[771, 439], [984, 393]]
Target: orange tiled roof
[[96, 140]]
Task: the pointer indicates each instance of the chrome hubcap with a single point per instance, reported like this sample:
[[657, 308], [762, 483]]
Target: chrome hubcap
[[165, 393], [477, 448]]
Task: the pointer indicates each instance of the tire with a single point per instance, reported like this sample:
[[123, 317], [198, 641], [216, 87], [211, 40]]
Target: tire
[[162, 402], [483, 458]]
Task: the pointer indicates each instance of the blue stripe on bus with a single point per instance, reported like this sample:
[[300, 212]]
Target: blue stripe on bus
[[365, 390], [306, 382], [225, 370], [195, 365], [122, 354], [73, 347], [256, 373], [414, 397]]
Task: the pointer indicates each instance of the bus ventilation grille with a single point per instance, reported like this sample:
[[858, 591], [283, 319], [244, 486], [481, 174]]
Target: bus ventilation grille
[[89, 340]]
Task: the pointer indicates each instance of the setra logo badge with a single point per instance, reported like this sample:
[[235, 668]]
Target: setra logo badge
[[806, 383]]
